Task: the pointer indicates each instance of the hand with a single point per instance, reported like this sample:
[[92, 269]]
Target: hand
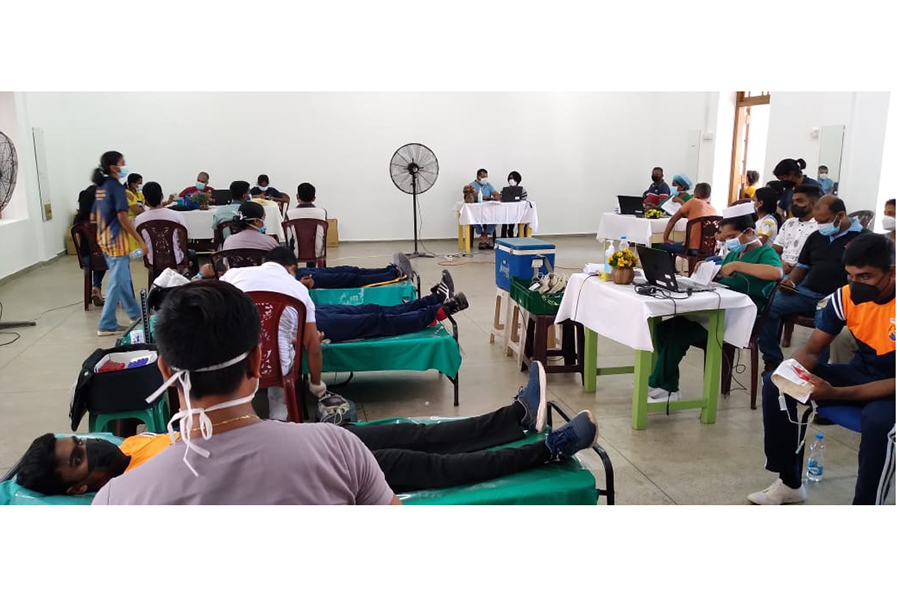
[[171, 199], [321, 336], [822, 390], [308, 281], [207, 272], [729, 269], [786, 268], [144, 249]]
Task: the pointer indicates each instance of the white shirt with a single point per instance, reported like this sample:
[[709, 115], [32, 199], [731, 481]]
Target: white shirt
[[792, 236], [309, 212], [767, 226], [160, 214], [272, 277]]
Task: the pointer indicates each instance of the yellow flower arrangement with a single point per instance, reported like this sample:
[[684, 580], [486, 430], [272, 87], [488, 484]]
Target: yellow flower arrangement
[[653, 213], [624, 259]]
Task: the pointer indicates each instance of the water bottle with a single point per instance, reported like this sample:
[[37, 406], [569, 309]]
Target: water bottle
[[623, 243], [815, 466], [480, 196], [136, 254], [610, 250]]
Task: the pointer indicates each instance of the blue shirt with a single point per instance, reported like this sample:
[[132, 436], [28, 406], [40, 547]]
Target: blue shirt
[[486, 190], [788, 196], [826, 184]]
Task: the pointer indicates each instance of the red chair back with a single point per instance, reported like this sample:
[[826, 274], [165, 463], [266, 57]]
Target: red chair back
[[238, 257], [164, 236], [219, 235], [301, 237], [707, 230], [87, 233], [271, 306]]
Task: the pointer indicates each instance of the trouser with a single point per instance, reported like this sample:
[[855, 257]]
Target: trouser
[[340, 322], [509, 230], [673, 339], [487, 229], [349, 277], [96, 276], [843, 347], [119, 290], [876, 447], [672, 248], [418, 457], [785, 304]]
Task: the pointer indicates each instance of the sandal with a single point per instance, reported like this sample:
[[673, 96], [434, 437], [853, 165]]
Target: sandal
[[97, 300], [482, 246]]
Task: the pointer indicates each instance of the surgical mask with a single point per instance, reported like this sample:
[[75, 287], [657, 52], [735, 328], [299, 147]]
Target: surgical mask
[[482, 180], [735, 245], [140, 188], [823, 175], [512, 183], [829, 229], [799, 211], [123, 172], [185, 417], [200, 186], [860, 293], [263, 188], [889, 223], [262, 229]]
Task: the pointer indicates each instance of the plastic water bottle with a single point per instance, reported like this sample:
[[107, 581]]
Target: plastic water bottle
[[480, 196], [815, 466], [136, 254], [610, 250], [623, 243]]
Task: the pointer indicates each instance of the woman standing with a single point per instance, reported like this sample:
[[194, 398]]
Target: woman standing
[[768, 220], [114, 228], [790, 173], [752, 180]]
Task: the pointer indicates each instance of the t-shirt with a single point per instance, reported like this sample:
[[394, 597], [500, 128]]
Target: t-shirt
[[487, 190], [309, 211], [767, 226], [142, 448], [823, 257], [190, 191], [694, 209], [109, 202], [826, 184], [750, 191], [272, 277], [792, 236], [653, 193], [160, 214], [758, 289], [249, 239], [874, 327], [269, 462], [223, 214]]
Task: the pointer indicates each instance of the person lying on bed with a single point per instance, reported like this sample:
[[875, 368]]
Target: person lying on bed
[[411, 456], [343, 277]]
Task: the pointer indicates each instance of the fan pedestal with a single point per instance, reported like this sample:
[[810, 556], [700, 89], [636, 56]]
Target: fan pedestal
[[17, 324]]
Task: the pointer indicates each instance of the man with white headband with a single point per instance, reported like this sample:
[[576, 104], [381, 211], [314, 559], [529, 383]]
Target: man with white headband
[[207, 334]]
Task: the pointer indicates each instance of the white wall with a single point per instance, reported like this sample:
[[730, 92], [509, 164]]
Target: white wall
[[864, 115]]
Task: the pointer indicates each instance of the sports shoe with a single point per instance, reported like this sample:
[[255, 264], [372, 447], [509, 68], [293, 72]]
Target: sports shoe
[[661, 395], [578, 434], [107, 332], [778, 493], [534, 398], [401, 261], [455, 304], [445, 286]]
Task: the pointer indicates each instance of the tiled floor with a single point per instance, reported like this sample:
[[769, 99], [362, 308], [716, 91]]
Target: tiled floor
[[676, 460]]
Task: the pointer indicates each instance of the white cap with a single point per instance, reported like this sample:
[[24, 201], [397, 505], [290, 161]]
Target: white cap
[[738, 210]]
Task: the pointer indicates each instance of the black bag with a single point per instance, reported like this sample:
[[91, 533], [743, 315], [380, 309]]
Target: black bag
[[115, 391]]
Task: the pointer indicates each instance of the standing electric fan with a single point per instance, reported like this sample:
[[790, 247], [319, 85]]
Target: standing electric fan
[[9, 168], [414, 169]]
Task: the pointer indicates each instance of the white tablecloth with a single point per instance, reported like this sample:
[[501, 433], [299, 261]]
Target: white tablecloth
[[638, 231], [499, 213], [617, 312], [199, 222]]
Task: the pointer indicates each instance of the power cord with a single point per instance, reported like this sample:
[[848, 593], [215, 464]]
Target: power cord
[[12, 333]]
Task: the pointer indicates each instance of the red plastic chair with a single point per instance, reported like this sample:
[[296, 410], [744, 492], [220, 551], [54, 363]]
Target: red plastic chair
[[87, 233], [300, 235], [235, 258], [164, 236], [708, 227], [219, 235], [271, 305]]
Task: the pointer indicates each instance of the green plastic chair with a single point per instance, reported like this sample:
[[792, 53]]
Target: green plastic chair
[[155, 417]]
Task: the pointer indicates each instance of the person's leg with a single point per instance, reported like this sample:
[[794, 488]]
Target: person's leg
[[843, 348], [672, 248], [780, 435], [277, 404], [340, 323], [97, 280], [783, 305], [349, 277], [673, 339], [877, 452], [118, 289]]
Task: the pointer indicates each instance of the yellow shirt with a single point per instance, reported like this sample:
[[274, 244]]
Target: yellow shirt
[[750, 191], [142, 448]]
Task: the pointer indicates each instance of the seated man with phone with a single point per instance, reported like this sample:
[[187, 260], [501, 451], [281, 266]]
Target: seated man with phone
[[867, 307]]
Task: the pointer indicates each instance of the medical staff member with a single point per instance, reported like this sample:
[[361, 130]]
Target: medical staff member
[[487, 192]]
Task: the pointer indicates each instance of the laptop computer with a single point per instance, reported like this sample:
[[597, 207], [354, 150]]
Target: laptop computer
[[659, 271], [221, 197], [631, 205], [511, 194]]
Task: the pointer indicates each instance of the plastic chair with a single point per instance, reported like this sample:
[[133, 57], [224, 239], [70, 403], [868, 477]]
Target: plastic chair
[[301, 236], [165, 237], [271, 305], [155, 417], [708, 227], [87, 232], [865, 217], [219, 235], [235, 258]]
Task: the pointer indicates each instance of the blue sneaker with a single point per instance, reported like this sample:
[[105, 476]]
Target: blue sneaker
[[534, 398], [578, 434]]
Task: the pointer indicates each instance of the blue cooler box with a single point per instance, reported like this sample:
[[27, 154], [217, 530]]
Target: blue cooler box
[[518, 257]]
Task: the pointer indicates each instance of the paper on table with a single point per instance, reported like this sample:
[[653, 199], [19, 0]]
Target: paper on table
[[671, 206], [593, 268], [705, 273]]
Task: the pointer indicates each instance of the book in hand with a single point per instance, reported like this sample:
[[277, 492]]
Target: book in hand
[[793, 379], [670, 206], [705, 273]]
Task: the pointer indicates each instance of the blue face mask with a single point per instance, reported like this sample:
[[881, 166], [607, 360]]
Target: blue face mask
[[735, 245], [262, 229], [123, 172], [200, 186], [829, 229]]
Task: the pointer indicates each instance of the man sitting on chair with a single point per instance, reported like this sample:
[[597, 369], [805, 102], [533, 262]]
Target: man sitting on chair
[[240, 193], [867, 307], [153, 198], [307, 209], [696, 207]]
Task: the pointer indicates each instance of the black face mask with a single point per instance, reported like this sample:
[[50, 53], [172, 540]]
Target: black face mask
[[656, 178], [861, 293], [788, 185], [101, 454], [799, 211]]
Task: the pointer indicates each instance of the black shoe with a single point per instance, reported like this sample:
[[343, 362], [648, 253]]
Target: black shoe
[[455, 304], [401, 261], [445, 287]]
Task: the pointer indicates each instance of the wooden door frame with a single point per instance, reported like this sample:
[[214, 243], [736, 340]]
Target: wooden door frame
[[740, 122]]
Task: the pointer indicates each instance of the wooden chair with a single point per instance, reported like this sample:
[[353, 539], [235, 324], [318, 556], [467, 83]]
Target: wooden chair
[[708, 227], [165, 237], [300, 235], [271, 305], [865, 217], [219, 235], [787, 327], [238, 257], [86, 233]]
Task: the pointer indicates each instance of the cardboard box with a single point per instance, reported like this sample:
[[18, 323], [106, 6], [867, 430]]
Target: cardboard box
[[332, 240], [70, 245]]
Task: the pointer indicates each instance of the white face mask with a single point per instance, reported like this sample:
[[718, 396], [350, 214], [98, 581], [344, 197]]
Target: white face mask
[[823, 175], [889, 223], [512, 183], [186, 417], [482, 180], [263, 188]]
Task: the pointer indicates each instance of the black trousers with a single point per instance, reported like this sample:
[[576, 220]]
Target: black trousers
[[418, 457]]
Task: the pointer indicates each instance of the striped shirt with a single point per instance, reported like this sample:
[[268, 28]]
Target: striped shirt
[[110, 201]]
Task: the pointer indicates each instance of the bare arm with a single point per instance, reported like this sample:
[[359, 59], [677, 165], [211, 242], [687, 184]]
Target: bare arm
[[671, 224], [796, 276], [395, 501], [808, 354], [312, 342]]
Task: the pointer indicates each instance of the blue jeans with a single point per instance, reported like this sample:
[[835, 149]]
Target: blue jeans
[[96, 276], [674, 248], [348, 276], [118, 290], [488, 229], [785, 304]]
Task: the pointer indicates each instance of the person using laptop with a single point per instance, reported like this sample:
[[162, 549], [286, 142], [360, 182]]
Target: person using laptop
[[696, 207], [512, 193], [659, 189], [751, 267]]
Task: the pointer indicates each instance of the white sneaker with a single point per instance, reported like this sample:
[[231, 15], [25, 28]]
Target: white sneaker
[[778, 493], [661, 395]]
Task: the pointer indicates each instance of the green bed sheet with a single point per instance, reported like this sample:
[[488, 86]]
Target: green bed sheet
[[385, 295]]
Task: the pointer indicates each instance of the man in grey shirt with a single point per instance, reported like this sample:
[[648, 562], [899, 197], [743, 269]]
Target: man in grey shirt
[[208, 339]]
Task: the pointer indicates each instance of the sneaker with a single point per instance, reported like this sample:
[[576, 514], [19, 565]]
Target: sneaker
[[445, 286], [663, 395], [778, 493], [455, 304], [107, 332], [578, 434], [401, 261], [534, 398]]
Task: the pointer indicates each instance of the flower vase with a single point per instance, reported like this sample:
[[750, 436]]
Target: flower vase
[[623, 275]]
